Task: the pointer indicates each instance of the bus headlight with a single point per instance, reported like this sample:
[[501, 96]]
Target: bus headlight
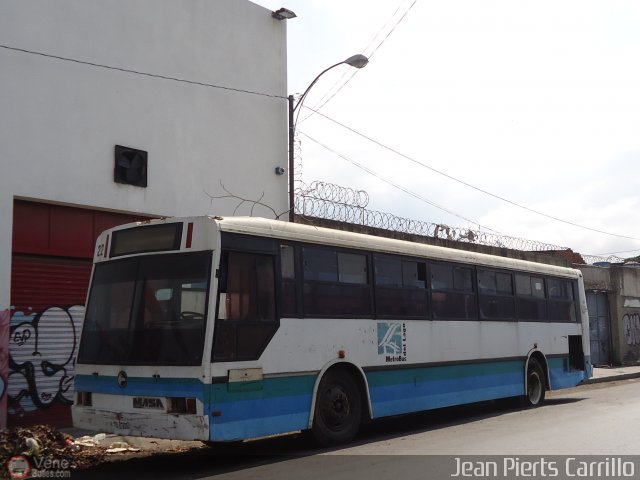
[[84, 399], [182, 405]]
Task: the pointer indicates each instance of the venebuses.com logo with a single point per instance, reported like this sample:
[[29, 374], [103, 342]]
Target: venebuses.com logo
[[19, 467]]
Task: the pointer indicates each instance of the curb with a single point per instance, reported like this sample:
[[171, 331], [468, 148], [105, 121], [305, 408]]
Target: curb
[[612, 378]]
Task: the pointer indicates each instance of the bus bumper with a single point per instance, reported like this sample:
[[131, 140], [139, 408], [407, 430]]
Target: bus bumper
[[156, 425]]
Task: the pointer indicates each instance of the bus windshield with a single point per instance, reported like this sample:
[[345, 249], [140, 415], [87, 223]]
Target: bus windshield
[[148, 310]]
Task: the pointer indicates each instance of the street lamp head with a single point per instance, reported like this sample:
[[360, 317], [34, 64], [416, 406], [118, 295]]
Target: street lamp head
[[283, 14], [357, 61]]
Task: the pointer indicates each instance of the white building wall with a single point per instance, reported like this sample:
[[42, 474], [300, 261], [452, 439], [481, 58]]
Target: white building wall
[[60, 120]]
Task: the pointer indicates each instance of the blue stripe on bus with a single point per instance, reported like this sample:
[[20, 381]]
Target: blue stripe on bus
[[283, 404], [272, 405], [265, 407], [277, 405], [161, 387], [406, 398], [410, 390], [251, 419], [252, 428], [561, 377]]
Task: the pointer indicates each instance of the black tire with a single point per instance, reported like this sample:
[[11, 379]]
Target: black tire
[[536, 385], [338, 411]]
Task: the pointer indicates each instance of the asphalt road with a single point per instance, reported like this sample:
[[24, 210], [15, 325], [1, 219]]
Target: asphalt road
[[599, 419]]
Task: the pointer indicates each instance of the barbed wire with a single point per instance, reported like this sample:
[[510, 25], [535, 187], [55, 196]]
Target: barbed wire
[[594, 259], [335, 194], [334, 202]]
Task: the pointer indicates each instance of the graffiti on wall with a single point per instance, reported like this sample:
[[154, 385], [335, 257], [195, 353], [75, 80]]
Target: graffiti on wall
[[4, 366], [42, 349], [631, 328]]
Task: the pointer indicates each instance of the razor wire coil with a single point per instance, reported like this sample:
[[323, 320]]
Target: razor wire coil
[[333, 202]]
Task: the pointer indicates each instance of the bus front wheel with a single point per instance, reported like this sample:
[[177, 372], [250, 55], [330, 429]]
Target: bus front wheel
[[535, 384], [338, 411]]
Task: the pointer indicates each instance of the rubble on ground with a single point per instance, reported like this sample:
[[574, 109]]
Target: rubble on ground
[[43, 441]]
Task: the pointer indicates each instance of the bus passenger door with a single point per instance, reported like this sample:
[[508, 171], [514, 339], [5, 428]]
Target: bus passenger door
[[245, 322], [246, 315]]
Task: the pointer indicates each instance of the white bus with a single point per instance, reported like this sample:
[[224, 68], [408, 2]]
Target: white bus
[[221, 329]]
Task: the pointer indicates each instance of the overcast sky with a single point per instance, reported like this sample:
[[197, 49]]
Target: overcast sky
[[535, 102]]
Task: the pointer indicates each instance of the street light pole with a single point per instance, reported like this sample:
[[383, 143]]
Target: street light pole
[[357, 61], [292, 128]]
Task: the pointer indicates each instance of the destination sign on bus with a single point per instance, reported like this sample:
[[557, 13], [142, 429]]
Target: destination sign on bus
[[152, 238]]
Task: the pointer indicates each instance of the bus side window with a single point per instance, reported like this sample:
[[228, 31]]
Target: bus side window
[[561, 303], [530, 298], [452, 294], [495, 290], [400, 287], [335, 283]]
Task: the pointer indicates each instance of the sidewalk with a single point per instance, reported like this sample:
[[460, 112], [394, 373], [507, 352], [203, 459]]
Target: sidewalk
[[138, 446], [610, 374]]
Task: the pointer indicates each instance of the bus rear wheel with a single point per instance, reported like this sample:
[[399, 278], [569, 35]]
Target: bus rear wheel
[[338, 411], [536, 388]]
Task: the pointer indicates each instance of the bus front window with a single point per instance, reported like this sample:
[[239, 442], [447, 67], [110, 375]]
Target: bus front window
[[147, 310]]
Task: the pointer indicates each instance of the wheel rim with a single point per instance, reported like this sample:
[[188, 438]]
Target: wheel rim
[[335, 407], [534, 387]]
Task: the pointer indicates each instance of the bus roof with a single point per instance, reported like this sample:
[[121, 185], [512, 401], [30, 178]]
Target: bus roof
[[305, 233]]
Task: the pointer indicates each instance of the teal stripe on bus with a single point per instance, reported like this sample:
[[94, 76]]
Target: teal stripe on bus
[[442, 372], [262, 389]]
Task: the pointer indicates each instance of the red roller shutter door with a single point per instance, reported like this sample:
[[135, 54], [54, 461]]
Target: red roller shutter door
[[48, 295], [38, 283], [51, 267]]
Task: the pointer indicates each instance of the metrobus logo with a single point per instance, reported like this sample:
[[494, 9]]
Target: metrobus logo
[[392, 341]]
